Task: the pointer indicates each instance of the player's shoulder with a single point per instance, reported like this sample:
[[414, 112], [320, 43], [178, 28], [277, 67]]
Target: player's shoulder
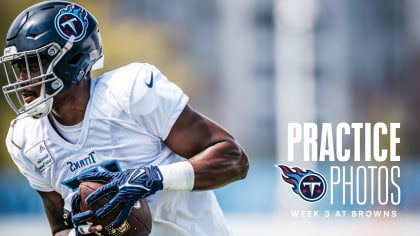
[[126, 75], [22, 130], [116, 87]]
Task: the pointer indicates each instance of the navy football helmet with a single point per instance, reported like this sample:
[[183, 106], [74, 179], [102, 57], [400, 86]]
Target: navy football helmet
[[62, 33]]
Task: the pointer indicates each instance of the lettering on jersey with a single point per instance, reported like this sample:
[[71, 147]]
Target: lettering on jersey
[[73, 183], [112, 166], [40, 156], [87, 161]]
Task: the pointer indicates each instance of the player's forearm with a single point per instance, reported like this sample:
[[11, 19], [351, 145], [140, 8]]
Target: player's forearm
[[54, 210], [219, 165], [214, 157]]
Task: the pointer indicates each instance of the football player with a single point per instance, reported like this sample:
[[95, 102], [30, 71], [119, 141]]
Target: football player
[[130, 127]]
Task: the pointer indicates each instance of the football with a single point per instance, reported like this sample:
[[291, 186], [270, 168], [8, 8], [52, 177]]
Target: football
[[138, 223]]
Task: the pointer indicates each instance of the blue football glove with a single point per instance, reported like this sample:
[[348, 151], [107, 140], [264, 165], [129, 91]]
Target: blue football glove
[[79, 218], [131, 185]]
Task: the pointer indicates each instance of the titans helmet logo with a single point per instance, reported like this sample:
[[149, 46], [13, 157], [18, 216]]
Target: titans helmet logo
[[72, 20], [309, 185]]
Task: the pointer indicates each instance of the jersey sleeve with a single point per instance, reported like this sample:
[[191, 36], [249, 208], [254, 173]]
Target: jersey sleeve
[[155, 102], [35, 178]]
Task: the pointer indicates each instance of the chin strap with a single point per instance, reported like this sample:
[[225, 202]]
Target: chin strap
[[41, 106]]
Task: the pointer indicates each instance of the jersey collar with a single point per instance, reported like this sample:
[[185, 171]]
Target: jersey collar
[[56, 138]]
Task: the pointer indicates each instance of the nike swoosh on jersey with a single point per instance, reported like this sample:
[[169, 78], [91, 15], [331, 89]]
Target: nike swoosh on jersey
[[150, 84]]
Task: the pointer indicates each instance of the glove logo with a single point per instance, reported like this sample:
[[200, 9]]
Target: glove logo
[[72, 20], [309, 185]]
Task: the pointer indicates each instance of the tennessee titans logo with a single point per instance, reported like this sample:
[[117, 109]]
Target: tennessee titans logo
[[309, 185], [72, 20]]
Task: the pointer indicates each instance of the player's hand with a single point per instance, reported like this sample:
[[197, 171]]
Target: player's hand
[[79, 219], [131, 185]]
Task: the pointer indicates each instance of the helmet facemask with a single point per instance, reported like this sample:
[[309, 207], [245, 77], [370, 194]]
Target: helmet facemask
[[42, 105], [65, 34]]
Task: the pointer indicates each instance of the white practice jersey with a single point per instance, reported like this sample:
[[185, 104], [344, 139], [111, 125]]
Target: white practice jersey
[[130, 112]]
